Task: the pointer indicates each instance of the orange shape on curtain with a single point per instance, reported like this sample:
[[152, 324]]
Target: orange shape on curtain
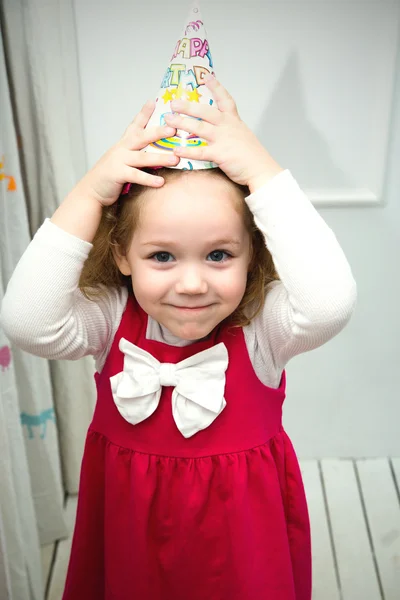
[[12, 186]]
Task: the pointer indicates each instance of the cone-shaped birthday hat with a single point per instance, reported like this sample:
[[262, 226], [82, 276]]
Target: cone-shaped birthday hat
[[190, 63]]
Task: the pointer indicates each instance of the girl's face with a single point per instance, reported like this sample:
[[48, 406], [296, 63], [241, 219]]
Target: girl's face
[[189, 256]]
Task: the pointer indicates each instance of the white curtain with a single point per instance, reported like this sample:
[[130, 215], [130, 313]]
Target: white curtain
[[44, 407], [31, 495], [42, 61]]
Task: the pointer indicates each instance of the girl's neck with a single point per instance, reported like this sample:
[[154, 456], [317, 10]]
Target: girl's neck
[[157, 331]]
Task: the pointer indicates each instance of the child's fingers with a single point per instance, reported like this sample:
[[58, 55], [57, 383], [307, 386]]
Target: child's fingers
[[154, 134], [207, 113], [134, 161], [222, 97], [143, 117], [203, 153], [137, 139], [152, 159], [142, 178], [200, 128]]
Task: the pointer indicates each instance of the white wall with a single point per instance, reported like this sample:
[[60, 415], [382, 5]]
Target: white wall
[[307, 77]]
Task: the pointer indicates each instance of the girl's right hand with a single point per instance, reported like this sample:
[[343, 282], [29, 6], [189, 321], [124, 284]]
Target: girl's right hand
[[122, 163]]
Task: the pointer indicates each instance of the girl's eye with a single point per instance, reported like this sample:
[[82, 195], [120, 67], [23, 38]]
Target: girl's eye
[[214, 256], [219, 255], [162, 257]]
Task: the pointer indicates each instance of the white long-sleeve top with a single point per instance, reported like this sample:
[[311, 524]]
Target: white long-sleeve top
[[45, 313]]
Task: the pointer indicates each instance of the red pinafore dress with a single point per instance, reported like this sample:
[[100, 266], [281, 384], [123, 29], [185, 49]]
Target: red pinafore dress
[[221, 515]]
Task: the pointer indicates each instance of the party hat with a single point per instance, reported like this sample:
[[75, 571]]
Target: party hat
[[184, 79]]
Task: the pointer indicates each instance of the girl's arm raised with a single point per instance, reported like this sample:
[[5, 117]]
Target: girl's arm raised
[[80, 213], [317, 293], [43, 311]]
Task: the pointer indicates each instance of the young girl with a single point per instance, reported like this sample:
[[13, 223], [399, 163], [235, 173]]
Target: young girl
[[190, 488]]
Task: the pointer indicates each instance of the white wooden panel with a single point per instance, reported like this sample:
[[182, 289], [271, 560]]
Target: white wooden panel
[[324, 575], [63, 551], [383, 513], [355, 563]]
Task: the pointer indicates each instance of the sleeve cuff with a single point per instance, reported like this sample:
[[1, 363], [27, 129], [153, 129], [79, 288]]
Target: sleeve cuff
[[282, 184]]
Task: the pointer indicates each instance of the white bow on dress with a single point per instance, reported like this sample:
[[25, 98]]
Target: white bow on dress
[[198, 381]]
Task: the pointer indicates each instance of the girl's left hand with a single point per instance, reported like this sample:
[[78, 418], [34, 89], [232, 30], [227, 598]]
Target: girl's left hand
[[231, 144]]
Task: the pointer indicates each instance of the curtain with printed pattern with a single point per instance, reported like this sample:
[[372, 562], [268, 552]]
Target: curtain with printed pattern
[[45, 406], [42, 60], [31, 493]]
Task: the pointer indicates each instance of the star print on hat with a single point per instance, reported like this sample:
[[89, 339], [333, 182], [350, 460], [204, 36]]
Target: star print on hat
[[190, 63]]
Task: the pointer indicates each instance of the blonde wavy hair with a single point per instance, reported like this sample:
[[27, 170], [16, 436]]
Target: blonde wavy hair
[[118, 224]]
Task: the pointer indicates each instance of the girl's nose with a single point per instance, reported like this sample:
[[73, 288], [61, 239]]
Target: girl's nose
[[191, 282]]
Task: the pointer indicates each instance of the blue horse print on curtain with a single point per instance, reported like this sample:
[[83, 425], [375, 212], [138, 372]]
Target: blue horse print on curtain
[[39, 420]]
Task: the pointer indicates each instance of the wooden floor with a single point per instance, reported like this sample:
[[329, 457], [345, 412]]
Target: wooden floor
[[355, 521]]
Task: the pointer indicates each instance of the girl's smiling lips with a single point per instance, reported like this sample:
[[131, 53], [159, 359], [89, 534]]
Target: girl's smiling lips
[[193, 308]]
